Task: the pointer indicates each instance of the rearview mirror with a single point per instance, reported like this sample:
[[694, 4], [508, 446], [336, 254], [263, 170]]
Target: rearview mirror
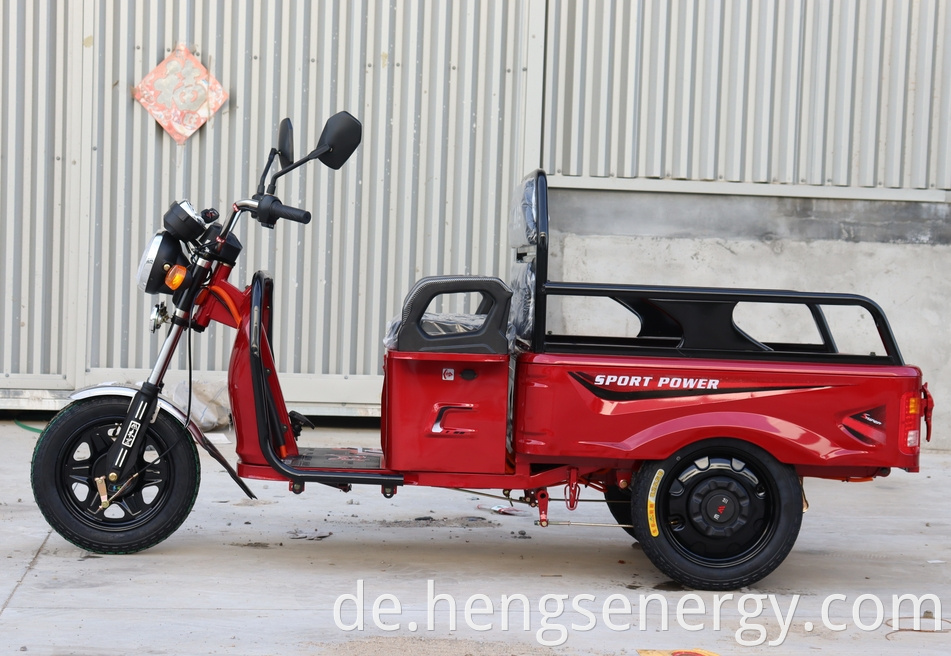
[[285, 143], [340, 138]]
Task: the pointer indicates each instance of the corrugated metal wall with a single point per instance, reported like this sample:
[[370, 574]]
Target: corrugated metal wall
[[439, 87], [35, 315], [851, 93], [458, 100]]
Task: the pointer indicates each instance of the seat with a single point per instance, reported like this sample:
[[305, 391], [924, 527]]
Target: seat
[[484, 331]]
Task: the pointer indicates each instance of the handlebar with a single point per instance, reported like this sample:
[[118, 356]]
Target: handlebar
[[267, 210]]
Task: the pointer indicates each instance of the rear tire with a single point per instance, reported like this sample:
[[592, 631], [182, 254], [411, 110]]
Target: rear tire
[[70, 454], [717, 515], [619, 503]]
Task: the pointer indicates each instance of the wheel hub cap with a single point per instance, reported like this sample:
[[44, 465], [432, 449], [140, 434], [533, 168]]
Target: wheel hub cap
[[719, 507]]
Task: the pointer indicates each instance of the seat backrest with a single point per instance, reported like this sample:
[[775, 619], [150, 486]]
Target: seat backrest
[[485, 331], [528, 225]]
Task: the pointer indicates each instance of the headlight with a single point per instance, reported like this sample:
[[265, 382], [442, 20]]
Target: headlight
[[162, 253]]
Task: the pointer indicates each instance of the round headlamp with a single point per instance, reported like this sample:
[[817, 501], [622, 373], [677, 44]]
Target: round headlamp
[[162, 253]]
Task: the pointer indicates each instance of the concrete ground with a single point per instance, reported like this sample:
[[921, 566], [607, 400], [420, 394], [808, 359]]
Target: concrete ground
[[265, 577]]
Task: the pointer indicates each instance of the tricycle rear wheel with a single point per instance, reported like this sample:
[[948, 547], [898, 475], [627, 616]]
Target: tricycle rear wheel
[[619, 503], [717, 515]]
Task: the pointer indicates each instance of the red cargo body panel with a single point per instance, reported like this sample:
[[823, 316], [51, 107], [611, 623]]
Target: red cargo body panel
[[809, 415], [445, 412]]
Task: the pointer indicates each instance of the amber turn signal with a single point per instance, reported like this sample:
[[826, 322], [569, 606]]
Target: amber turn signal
[[175, 276]]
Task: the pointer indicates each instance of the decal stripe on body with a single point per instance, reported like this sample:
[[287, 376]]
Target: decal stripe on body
[[611, 395]]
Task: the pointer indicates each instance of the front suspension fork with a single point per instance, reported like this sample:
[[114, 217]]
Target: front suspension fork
[[124, 454]]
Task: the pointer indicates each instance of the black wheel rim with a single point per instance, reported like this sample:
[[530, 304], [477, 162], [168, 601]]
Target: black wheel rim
[[718, 510], [82, 459]]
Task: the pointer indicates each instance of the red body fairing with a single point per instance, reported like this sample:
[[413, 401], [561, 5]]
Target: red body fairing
[[446, 413], [216, 306], [826, 420]]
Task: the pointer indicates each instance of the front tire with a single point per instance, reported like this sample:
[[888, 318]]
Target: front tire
[[717, 515], [70, 454]]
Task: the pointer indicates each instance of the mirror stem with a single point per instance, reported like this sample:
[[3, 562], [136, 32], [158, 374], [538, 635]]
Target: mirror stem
[[317, 152], [270, 160]]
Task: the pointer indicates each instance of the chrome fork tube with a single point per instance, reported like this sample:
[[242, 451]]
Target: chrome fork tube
[[165, 355], [179, 322]]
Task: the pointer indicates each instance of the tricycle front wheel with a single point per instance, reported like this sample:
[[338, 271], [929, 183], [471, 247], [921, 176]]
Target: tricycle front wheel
[[717, 515], [70, 455]]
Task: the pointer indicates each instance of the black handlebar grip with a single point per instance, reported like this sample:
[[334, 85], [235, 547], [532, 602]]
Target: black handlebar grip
[[290, 213], [270, 209]]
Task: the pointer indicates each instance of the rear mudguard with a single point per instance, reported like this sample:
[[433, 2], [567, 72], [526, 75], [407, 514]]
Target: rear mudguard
[[164, 405]]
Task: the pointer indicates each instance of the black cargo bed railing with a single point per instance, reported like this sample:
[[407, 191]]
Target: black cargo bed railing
[[702, 317]]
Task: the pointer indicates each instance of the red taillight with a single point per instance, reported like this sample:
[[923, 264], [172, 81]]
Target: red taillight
[[910, 436]]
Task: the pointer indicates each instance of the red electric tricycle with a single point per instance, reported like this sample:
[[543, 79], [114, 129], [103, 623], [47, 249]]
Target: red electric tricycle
[[698, 433]]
